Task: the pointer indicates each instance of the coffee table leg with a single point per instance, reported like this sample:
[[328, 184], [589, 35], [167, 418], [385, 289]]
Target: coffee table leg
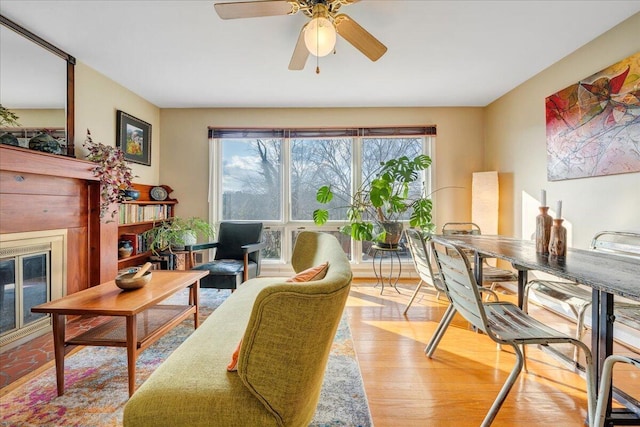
[[132, 350], [194, 297], [58, 349]]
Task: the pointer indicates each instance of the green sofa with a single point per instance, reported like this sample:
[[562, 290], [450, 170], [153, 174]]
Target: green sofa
[[286, 330]]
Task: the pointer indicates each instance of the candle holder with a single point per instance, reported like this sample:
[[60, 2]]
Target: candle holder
[[543, 230], [558, 239]]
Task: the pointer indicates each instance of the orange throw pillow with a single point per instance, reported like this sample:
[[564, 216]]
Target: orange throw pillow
[[233, 365], [314, 273]]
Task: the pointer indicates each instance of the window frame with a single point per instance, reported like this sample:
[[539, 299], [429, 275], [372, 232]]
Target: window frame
[[286, 224]]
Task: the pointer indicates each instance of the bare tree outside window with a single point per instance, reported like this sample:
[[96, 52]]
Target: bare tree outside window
[[251, 179], [314, 161]]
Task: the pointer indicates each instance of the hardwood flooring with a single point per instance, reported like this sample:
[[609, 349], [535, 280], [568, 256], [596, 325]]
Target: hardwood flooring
[[458, 385], [455, 388]]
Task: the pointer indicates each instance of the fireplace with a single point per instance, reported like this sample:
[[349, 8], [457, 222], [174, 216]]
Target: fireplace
[[44, 194], [32, 271]]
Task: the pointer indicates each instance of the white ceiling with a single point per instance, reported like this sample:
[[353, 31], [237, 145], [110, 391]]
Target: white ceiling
[[441, 53]]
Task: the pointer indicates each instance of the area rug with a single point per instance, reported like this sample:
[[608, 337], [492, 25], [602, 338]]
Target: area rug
[[96, 383]]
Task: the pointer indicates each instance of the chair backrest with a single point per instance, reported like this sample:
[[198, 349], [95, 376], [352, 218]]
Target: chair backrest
[[458, 279], [625, 243], [460, 228], [422, 258], [452, 228], [291, 330], [233, 235]]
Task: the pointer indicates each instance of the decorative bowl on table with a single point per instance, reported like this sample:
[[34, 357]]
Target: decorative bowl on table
[[127, 282]]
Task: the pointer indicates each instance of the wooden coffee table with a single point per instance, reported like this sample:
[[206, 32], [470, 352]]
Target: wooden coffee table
[[138, 318]]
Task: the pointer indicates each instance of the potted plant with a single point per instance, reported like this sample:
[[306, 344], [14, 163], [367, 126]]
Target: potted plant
[[112, 170], [7, 117], [174, 233], [376, 209]]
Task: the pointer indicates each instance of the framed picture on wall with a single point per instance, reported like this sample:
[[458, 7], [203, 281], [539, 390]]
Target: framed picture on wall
[[133, 138]]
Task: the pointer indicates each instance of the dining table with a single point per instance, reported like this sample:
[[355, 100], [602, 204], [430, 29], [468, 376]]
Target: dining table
[[607, 275]]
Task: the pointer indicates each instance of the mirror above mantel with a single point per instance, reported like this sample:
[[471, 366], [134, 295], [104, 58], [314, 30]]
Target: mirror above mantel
[[37, 86]]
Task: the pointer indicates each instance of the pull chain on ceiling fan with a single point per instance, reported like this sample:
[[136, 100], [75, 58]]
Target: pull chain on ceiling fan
[[318, 36]]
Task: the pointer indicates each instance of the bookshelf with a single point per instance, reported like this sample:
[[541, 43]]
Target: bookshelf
[[137, 216]]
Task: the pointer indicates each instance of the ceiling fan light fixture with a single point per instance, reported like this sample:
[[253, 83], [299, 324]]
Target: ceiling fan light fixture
[[320, 36]]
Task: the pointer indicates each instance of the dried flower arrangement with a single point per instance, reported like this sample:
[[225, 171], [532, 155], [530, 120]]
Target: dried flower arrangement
[[112, 170]]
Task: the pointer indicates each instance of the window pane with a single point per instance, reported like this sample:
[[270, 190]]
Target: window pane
[[379, 150], [251, 179], [317, 162]]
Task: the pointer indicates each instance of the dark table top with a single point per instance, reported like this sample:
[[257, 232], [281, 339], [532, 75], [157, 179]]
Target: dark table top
[[614, 274]]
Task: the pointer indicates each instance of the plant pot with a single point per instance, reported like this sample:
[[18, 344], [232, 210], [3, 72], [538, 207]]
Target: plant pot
[[393, 233], [189, 238]]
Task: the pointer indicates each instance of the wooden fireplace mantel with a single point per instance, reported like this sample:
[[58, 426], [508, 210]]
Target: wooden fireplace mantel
[[18, 159], [41, 191]]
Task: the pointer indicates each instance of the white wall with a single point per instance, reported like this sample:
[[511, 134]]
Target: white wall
[[515, 145], [97, 98]]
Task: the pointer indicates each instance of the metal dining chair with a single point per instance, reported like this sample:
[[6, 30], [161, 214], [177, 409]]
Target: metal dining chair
[[422, 263], [605, 386], [490, 274], [503, 322]]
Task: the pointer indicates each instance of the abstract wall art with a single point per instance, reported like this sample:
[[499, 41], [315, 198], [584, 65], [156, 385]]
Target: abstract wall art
[[593, 126]]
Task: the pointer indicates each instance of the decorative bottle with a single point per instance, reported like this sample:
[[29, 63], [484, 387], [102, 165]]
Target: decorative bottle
[[558, 239], [543, 230]]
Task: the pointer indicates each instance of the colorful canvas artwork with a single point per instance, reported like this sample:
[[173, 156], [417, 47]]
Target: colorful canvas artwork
[[593, 126]]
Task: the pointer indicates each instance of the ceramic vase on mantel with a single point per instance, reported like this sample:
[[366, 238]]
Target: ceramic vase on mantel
[[543, 230], [558, 239]]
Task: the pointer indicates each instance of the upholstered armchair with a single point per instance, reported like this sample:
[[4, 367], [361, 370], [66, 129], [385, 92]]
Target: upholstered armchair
[[237, 256]]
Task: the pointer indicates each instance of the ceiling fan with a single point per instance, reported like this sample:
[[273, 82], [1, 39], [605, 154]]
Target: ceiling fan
[[318, 36]]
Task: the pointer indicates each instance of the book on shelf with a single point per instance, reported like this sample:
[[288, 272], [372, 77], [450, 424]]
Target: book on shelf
[[131, 213]]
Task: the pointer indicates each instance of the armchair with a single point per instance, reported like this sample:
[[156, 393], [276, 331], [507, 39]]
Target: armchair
[[237, 257]]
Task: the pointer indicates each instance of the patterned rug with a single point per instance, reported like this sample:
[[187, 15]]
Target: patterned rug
[[96, 383]]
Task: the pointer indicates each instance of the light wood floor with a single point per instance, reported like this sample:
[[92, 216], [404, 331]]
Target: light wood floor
[[457, 386]]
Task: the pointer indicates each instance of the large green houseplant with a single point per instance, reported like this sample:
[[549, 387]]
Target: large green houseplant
[[175, 233], [377, 208]]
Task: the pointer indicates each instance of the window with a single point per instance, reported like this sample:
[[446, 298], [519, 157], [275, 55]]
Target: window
[[251, 179], [314, 161], [272, 176]]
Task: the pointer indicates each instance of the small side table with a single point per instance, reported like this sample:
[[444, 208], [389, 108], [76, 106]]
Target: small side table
[[381, 252]]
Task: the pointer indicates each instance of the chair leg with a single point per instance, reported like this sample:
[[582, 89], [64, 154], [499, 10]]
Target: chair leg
[[590, 380], [579, 330], [525, 299], [605, 388], [488, 419], [440, 330], [415, 293]]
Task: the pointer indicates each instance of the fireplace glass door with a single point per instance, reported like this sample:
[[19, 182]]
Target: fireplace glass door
[[24, 283]]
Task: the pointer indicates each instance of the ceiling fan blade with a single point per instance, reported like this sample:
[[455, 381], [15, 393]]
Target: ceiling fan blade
[[300, 53], [254, 9], [360, 38]]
